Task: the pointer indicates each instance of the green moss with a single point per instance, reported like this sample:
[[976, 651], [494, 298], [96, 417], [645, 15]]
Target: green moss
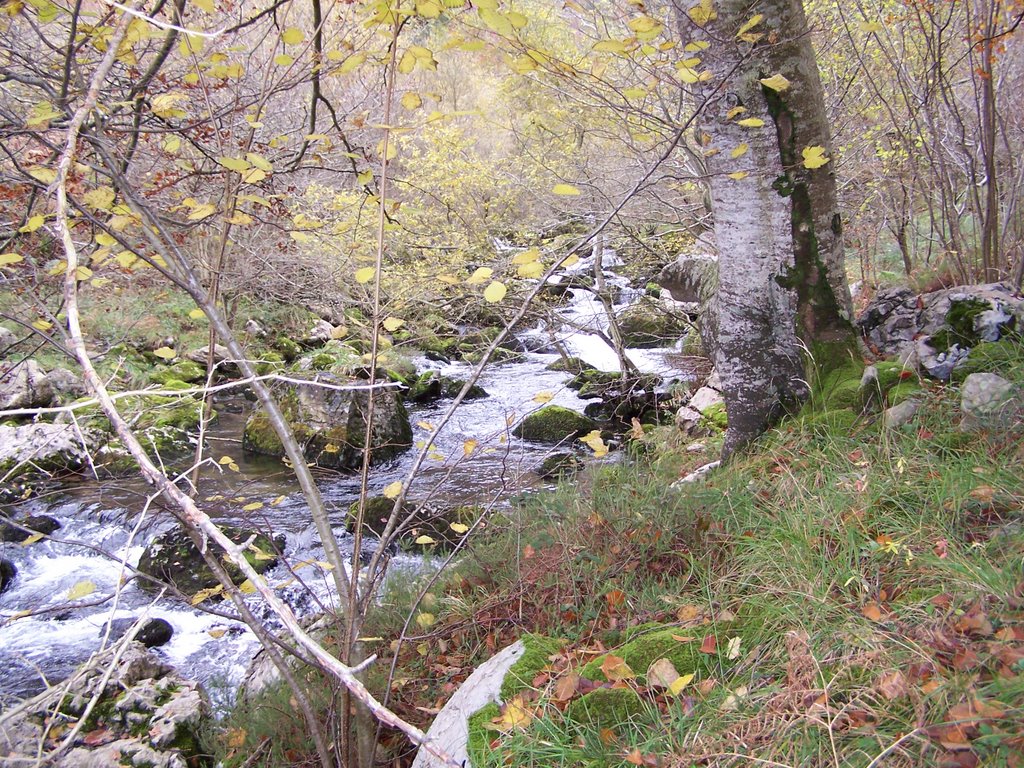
[[840, 388], [606, 707], [322, 361], [902, 391], [183, 370], [553, 424], [478, 745], [536, 656], [648, 324], [573, 365], [960, 325], [559, 464], [644, 649], [270, 361], [1005, 358], [715, 418], [290, 349]]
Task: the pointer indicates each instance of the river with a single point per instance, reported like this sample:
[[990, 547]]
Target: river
[[105, 525]]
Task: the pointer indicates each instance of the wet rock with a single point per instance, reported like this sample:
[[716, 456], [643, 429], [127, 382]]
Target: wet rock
[[28, 526], [432, 386], [146, 715], [705, 411], [649, 323], [25, 386], [553, 424], [188, 371], [154, 633], [174, 559], [42, 449], [66, 385], [558, 465], [329, 423], [938, 328], [988, 401], [573, 365], [7, 573], [224, 364]]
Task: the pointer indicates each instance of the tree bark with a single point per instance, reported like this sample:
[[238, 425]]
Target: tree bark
[[782, 276]]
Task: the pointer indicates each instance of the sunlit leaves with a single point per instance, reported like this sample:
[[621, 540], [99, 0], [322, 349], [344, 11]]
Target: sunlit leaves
[[45, 175], [292, 36], [202, 211], [497, 22], [593, 441], [751, 122], [495, 292], [33, 223], [393, 490], [165, 105], [424, 540], [515, 715], [565, 190], [610, 46], [745, 32], [41, 114], [739, 151], [702, 13], [776, 82], [469, 446], [236, 164], [365, 275], [81, 589], [532, 270], [480, 276], [645, 28], [411, 101], [7, 259], [459, 528], [814, 157]]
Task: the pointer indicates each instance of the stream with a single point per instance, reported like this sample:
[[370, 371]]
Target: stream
[[106, 524]]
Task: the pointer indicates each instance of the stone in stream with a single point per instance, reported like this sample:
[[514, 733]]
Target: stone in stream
[[7, 573], [650, 323], [329, 423], [28, 526], [553, 424], [154, 633], [174, 559]]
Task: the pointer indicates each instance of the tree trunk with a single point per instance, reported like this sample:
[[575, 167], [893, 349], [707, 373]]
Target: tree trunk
[[782, 277]]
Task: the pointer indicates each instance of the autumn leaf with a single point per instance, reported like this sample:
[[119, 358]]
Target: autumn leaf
[[566, 190], [480, 276], [81, 589], [515, 715], [392, 490], [776, 82], [425, 540], [662, 673], [814, 157], [495, 292], [872, 611], [615, 668], [459, 528], [365, 275], [709, 645]]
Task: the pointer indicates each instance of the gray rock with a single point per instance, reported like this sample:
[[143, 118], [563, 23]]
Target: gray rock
[[938, 328], [699, 474], [691, 277], [28, 526], [900, 413], [222, 359], [321, 331], [25, 386], [8, 339], [990, 401], [42, 448], [254, 329], [450, 729], [330, 423], [65, 384], [705, 398]]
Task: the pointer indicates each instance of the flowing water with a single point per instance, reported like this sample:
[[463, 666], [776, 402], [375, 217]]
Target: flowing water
[[106, 524]]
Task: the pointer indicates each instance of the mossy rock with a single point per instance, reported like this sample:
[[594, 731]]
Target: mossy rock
[[478, 743], [553, 424], [715, 418], [173, 558], [606, 707], [558, 465], [291, 350], [593, 383], [841, 388], [183, 370], [903, 390], [322, 361], [573, 365], [431, 386], [269, 362], [649, 324], [644, 649], [1005, 358], [959, 328]]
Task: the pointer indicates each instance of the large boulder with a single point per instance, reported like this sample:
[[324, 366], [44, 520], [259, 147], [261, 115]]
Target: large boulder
[[553, 424], [173, 558], [693, 277], [650, 323], [145, 714], [938, 329], [24, 385], [330, 422], [41, 449]]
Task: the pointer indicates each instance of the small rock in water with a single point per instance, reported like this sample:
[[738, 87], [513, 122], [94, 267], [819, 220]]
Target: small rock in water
[[154, 633], [7, 574], [28, 526]]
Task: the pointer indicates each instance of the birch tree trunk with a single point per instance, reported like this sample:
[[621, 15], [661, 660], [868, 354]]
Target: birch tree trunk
[[783, 298]]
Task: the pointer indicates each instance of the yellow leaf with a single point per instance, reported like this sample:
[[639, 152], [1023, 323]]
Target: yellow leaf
[[352, 62], [680, 683], [869, 26], [814, 157], [751, 122], [407, 63], [165, 353], [754, 20], [595, 443], [661, 673], [615, 668], [393, 490], [365, 275], [204, 594], [6, 259], [425, 620], [225, 460], [496, 21], [479, 276], [645, 28], [703, 13], [217, 634], [34, 223], [81, 589], [331, 448], [42, 325], [247, 587], [163, 105], [254, 176], [45, 175], [469, 446], [543, 397], [739, 175], [515, 715], [236, 164], [458, 527], [610, 46], [197, 314], [525, 257], [428, 9], [292, 36], [241, 219], [739, 151], [495, 292], [283, 59], [253, 506], [688, 75], [698, 45], [565, 189], [83, 273], [425, 540], [517, 20], [734, 111], [392, 324], [32, 539], [533, 270], [202, 211], [776, 82], [634, 93], [733, 649], [523, 64], [570, 261], [412, 101]]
